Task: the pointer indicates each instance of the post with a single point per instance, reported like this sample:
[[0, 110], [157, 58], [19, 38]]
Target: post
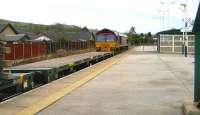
[[186, 44], [158, 43], [67, 45], [142, 47], [173, 44], [50, 48], [23, 50], [31, 49], [197, 69], [183, 45], [14, 52]]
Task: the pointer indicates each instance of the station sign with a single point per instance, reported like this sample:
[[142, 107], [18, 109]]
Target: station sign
[[186, 30]]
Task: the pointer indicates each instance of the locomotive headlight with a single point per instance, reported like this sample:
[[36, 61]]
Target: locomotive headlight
[[112, 48], [98, 48]]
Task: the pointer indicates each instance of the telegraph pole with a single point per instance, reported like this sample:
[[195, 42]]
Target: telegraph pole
[[166, 10]]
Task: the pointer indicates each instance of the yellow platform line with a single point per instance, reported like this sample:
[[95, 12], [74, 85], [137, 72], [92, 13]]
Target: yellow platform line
[[35, 108]]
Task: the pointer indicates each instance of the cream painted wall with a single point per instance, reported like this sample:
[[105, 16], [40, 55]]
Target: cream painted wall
[[7, 31]]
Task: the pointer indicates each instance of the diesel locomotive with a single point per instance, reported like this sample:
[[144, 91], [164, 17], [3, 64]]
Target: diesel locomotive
[[110, 41]]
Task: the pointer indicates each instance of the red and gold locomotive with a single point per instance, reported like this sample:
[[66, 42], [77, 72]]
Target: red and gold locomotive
[[108, 40]]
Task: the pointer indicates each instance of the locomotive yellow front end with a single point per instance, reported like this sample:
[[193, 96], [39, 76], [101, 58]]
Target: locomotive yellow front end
[[105, 46], [106, 41]]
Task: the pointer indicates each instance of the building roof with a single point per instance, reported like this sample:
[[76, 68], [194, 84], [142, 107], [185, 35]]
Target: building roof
[[196, 27], [82, 36], [31, 35], [174, 32], [3, 27], [72, 36], [54, 36], [13, 38], [42, 38]]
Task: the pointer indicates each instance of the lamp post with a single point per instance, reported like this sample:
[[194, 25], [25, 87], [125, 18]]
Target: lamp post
[[167, 10], [185, 28], [162, 19]]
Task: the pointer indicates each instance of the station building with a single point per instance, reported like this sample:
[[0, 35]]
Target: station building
[[171, 41]]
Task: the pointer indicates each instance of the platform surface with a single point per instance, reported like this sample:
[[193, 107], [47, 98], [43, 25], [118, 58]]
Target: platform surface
[[142, 83], [35, 100], [57, 62]]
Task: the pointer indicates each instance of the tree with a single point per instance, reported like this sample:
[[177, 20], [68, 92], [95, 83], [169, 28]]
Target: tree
[[148, 38], [132, 30], [149, 35], [135, 39]]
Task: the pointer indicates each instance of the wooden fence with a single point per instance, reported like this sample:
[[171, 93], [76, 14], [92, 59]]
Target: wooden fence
[[36, 49]]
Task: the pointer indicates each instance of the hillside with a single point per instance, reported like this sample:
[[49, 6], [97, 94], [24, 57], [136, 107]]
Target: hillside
[[39, 27]]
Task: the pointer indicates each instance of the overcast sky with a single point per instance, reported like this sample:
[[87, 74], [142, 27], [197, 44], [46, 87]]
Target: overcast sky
[[119, 15]]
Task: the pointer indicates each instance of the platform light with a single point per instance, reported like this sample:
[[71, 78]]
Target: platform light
[[185, 27], [164, 11]]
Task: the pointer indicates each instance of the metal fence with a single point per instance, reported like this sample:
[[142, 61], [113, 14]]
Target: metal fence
[[174, 43], [52, 47]]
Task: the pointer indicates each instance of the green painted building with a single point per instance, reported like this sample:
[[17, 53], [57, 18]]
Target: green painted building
[[196, 30]]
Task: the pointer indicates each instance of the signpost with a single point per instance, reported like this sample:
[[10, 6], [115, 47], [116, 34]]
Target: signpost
[[185, 40]]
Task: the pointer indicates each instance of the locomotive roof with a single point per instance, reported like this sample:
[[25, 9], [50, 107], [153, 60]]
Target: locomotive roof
[[111, 31], [106, 31]]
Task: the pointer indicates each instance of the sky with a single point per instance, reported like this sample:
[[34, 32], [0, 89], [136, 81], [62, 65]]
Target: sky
[[117, 15]]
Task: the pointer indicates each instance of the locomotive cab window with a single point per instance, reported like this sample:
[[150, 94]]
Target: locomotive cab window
[[110, 38], [100, 38]]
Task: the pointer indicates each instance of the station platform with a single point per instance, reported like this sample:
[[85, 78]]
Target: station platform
[[137, 82]]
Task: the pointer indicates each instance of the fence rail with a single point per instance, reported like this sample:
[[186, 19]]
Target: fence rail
[[173, 43]]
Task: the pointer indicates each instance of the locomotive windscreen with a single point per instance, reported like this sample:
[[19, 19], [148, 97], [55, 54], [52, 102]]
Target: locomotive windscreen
[[110, 38], [105, 38], [100, 38]]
